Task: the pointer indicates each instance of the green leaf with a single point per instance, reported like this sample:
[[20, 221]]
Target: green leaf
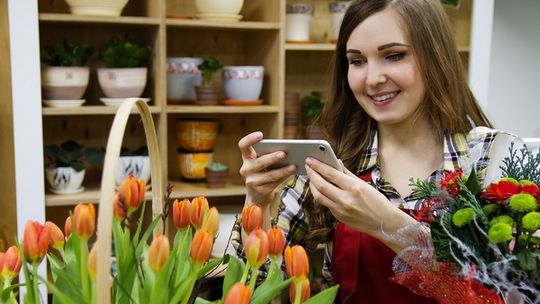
[[326, 296], [208, 266], [235, 269], [526, 260], [472, 183], [269, 290], [203, 301], [59, 296]]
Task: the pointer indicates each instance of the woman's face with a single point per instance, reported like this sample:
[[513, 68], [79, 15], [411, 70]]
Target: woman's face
[[383, 71]]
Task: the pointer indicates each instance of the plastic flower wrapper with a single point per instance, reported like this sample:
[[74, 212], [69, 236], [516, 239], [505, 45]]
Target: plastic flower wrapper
[[483, 245]]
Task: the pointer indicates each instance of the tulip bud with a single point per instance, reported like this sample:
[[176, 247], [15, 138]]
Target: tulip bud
[[201, 246], [57, 237], [10, 263], [211, 221], [67, 227], [36, 241], [276, 241], [131, 192], [296, 263], [119, 209], [252, 218], [305, 292], [256, 248], [92, 262], [158, 254], [180, 213], [84, 220], [238, 294], [197, 210]]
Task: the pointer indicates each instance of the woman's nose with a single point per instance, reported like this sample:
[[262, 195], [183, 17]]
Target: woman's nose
[[375, 75]]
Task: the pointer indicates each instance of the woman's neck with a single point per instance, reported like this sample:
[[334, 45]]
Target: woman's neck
[[419, 134]]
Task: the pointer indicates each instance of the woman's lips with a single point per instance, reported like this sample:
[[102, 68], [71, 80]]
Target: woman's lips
[[383, 99]]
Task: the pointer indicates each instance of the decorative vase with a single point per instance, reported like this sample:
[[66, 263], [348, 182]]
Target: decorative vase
[[192, 165], [183, 76], [122, 82], [243, 83], [138, 166], [337, 10], [298, 22], [196, 135], [111, 8], [64, 180], [206, 96], [216, 179], [64, 83]]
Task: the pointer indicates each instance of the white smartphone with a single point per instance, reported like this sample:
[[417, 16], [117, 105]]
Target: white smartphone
[[298, 150]]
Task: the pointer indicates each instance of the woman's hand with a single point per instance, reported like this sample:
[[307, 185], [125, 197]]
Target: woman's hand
[[355, 202], [261, 183]]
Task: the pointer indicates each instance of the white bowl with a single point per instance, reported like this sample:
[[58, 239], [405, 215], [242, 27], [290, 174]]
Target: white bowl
[[243, 83], [122, 82]]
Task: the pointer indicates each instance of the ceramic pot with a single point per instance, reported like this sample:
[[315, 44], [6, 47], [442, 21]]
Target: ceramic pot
[[64, 82], [312, 132], [122, 82], [183, 76], [196, 135], [206, 96], [64, 180], [337, 11], [96, 7], [216, 179], [192, 165], [219, 7], [243, 83], [298, 22], [138, 166]]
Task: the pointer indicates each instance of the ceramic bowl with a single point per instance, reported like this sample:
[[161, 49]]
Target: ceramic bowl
[[138, 166], [196, 135], [64, 180], [122, 82], [243, 83]]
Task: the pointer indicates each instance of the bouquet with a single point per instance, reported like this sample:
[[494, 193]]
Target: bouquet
[[484, 244], [152, 270]]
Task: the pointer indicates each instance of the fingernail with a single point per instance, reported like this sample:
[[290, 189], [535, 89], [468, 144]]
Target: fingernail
[[309, 161], [281, 154], [259, 134], [291, 168]]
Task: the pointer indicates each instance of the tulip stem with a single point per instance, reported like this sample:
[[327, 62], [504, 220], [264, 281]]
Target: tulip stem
[[298, 294], [253, 279], [245, 274], [83, 270], [35, 282]]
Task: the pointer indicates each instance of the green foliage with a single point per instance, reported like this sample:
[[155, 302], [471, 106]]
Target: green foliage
[[208, 67], [141, 151], [123, 53], [218, 167], [67, 54], [454, 3], [525, 166], [312, 106], [72, 154]]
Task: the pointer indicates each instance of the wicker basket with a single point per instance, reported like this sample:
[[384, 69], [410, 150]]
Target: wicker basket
[[105, 215]]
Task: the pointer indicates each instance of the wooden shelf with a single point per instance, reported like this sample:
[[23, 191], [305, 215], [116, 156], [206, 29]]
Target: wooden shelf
[[188, 189], [222, 109], [90, 110], [126, 20], [310, 47], [240, 25], [90, 194]]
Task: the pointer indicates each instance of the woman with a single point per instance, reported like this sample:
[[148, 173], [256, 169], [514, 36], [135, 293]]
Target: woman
[[401, 110]]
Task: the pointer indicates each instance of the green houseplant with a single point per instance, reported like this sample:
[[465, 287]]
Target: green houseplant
[[206, 92], [124, 74], [216, 175], [312, 106], [64, 76]]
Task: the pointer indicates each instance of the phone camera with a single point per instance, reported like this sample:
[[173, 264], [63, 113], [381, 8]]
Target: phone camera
[[322, 148]]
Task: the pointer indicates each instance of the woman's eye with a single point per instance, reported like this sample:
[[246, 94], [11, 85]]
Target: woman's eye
[[356, 61], [396, 56]]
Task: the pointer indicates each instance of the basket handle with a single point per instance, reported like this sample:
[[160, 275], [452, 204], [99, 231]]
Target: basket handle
[[105, 214]]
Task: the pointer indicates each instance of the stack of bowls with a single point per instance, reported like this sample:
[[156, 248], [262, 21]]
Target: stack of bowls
[[195, 142]]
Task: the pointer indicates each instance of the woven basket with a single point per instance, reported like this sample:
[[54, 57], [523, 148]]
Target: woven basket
[[105, 215]]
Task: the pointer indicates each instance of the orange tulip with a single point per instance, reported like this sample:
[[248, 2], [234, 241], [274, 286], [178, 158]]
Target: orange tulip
[[10, 263], [67, 227], [276, 241], [238, 294], [84, 220], [201, 246], [119, 209], [131, 193], [256, 247], [296, 263], [36, 241], [158, 254], [252, 218], [57, 237], [180, 213], [211, 221], [92, 262], [305, 293], [197, 210]]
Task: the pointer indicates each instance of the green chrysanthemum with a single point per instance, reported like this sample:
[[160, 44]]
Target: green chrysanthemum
[[502, 219], [509, 179], [531, 239], [500, 233], [463, 217], [526, 182], [531, 221], [490, 208], [523, 202]]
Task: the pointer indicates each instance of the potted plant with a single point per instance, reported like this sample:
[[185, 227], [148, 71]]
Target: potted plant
[[123, 75], [337, 11], [64, 76], [135, 162], [216, 175], [206, 92], [312, 106], [65, 171]]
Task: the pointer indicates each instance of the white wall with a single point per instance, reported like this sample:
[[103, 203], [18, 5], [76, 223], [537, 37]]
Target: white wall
[[513, 101]]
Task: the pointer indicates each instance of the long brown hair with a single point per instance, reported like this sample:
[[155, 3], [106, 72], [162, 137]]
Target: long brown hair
[[449, 103]]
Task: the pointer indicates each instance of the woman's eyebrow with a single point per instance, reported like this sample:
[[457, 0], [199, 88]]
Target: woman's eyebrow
[[353, 51], [389, 45]]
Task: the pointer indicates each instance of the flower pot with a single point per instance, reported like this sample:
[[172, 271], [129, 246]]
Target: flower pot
[[196, 135], [298, 22], [192, 165], [64, 83], [138, 166], [182, 77], [206, 96], [337, 11], [209, 8], [216, 179], [64, 180], [312, 132], [97, 7], [243, 83], [122, 82]]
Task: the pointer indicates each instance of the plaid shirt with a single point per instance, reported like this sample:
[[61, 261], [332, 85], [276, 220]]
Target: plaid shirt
[[460, 151]]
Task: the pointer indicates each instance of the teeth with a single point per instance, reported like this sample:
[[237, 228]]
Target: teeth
[[384, 97]]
